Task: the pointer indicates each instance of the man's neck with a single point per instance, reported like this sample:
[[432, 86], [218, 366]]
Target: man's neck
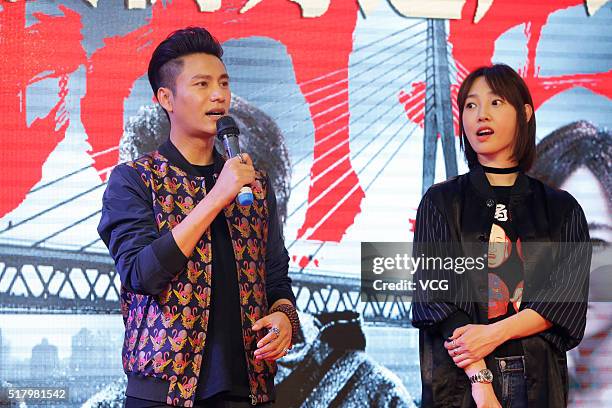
[[197, 151]]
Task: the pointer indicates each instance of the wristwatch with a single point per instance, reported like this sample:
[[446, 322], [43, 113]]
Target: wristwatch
[[483, 376]]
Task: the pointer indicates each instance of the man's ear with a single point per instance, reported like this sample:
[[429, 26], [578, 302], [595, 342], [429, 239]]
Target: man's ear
[[528, 112], [165, 98]]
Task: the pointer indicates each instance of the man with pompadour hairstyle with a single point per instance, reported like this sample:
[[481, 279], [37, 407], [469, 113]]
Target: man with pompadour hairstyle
[[206, 298]]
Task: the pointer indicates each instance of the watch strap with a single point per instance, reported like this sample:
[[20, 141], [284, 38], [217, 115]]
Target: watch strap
[[480, 377]]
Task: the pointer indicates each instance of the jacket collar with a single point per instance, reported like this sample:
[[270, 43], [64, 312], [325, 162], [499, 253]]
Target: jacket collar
[[479, 180], [174, 156]]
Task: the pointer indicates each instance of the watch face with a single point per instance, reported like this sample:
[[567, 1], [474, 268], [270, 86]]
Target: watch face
[[487, 375]]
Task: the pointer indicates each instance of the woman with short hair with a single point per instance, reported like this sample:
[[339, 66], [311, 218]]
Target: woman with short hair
[[499, 335]]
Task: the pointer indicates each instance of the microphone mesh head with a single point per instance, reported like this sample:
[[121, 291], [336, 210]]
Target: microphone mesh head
[[226, 125]]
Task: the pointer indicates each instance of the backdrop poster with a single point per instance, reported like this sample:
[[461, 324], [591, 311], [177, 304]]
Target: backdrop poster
[[332, 96]]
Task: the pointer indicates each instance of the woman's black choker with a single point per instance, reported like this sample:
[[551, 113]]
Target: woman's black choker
[[496, 170]]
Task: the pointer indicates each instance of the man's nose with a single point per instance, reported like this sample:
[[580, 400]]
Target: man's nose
[[217, 95]]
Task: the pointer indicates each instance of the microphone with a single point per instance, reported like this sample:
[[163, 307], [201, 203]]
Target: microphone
[[227, 132]]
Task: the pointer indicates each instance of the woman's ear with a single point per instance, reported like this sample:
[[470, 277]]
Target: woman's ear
[[164, 97], [528, 112]]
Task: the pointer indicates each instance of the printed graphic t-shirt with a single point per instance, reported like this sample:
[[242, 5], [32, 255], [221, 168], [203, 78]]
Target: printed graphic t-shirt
[[505, 261]]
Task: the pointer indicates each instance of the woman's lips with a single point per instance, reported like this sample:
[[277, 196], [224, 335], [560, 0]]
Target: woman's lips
[[484, 133]]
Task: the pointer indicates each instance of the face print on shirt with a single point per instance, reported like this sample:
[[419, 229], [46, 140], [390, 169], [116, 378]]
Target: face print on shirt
[[500, 250], [499, 296], [500, 247]]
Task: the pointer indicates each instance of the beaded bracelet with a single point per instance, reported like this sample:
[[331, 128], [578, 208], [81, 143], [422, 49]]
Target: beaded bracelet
[[291, 313]]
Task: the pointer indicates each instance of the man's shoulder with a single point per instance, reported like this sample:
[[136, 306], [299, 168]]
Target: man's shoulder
[[156, 165], [133, 173], [144, 161]]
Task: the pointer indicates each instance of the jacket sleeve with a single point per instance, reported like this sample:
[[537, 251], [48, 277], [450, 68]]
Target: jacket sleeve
[[443, 311], [564, 302], [278, 282], [145, 259]]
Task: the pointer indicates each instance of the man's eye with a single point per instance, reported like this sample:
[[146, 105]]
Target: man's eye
[[202, 84], [470, 105]]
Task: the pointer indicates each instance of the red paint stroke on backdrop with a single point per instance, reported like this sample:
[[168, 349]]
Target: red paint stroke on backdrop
[[412, 222], [30, 55], [470, 54], [305, 260], [123, 59], [320, 62], [414, 104]]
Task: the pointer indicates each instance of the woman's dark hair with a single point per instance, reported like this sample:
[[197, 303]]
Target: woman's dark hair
[[166, 63], [572, 146], [507, 83]]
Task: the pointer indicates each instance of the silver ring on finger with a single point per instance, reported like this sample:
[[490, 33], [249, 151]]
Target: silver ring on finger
[[453, 344], [276, 331]]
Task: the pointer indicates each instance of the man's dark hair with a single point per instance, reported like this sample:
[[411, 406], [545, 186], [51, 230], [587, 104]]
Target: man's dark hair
[[507, 83], [166, 63]]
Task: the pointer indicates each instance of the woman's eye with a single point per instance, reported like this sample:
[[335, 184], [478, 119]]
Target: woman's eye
[[470, 105], [497, 102], [202, 84]]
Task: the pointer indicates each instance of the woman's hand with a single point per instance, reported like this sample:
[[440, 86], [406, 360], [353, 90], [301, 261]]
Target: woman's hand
[[277, 342], [472, 342], [484, 396]]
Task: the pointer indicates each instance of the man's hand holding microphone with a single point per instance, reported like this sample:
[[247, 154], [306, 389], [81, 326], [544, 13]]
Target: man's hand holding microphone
[[232, 184], [238, 171]]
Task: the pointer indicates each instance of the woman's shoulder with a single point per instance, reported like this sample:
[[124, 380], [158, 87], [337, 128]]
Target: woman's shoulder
[[560, 206], [554, 196], [444, 190]]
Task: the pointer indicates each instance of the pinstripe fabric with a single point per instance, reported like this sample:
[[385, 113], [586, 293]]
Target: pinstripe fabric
[[454, 219], [563, 302], [432, 237]]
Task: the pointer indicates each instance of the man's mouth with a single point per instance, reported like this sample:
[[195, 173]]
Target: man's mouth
[[215, 113]]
